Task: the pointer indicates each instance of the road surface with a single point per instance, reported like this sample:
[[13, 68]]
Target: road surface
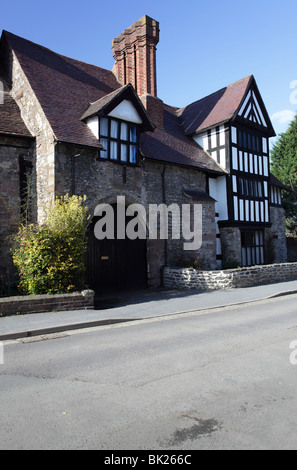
[[223, 379]]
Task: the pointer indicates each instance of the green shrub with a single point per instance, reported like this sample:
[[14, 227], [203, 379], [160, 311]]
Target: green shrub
[[50, 258]]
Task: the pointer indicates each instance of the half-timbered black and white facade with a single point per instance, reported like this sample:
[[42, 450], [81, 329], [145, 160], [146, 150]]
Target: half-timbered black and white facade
[[240, 144]]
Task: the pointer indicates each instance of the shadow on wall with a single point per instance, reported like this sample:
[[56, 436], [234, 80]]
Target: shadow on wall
[[292, 249]]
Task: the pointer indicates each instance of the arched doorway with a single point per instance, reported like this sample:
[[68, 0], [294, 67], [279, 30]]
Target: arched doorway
[[115, 265]]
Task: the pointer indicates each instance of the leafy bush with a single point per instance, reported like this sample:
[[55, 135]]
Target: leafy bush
[[50, 258]]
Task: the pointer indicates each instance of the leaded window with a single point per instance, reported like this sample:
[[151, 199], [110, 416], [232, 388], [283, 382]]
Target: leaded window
[[120, 140], [250, 188], [252, 247]]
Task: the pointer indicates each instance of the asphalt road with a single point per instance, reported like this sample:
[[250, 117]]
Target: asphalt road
[[217, 380]]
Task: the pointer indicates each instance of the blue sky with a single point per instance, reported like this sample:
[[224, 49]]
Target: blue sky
[[203, 47]]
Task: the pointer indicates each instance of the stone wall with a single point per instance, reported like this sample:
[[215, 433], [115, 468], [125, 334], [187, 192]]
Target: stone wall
[[11, 149], [185, 278], [47, 303], [231, 246], [149, 183], [275, 237], [35, 120]]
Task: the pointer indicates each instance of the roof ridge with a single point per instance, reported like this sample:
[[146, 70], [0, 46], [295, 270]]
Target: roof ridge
[[54, 52], [215, 92]]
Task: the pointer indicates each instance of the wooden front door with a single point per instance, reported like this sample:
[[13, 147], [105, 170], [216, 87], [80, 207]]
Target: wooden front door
[[115, 265]]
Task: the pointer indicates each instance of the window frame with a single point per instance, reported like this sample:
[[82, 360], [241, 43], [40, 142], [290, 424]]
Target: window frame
[[249, 188], [275, 196], [251, 249], [109, 139]]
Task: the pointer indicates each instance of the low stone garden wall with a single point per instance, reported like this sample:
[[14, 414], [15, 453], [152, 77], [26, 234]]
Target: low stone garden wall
[[188, 278], [47, 303]]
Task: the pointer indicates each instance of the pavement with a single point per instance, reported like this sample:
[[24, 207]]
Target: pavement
[[141, 305]]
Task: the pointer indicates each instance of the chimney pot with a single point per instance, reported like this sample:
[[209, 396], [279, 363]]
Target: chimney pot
[[134, 51]]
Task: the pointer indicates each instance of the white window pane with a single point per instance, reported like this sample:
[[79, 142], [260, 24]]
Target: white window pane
[[124, 152], [133, 153], [235, 199], [266, 211], [213, 139], [133, 134], [124, 131], [264, 143], [113, 150], [252, 211], [114, 129], [247, 210], [241, 161], [222, 136], [234, 184], [104, 127], [233, 135], [265, 163], [104, 154], [241, 205], [262, 211], [234, 158]]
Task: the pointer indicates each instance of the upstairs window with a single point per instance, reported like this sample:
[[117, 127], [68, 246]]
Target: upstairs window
[[249, 141], [250, 188], [275, 196], [120, 140]]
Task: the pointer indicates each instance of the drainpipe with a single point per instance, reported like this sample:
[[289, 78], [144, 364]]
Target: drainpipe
[[164, 202], [73, 157]]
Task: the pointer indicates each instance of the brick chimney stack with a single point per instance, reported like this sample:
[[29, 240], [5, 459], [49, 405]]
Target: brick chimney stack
[[134, 52]]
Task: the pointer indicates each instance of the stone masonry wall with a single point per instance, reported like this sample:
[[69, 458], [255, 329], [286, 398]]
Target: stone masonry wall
[[228, 279], [103, 181], [275, 236], [231, 246], [36, 122], [47, 303], [10, 151]]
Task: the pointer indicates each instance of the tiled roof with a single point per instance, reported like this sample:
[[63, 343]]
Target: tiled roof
[[100, 104], [65, 88], [198, 195], [11, 122], [274, 181], [110, 101], [172, 145], [214, 109]]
